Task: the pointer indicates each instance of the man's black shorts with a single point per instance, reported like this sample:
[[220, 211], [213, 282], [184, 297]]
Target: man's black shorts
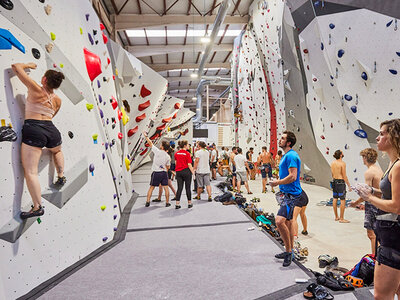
[[158, 178]]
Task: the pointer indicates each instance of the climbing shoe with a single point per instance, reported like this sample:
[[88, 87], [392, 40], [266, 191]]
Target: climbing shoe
[[32, 213], [167, 204], [61, 181], [156, 200], [327, 260], [304, 232], [196, 198], [209, 199], [190, 205], [280, 255], [7, 134], [147, 204], [287, 260]]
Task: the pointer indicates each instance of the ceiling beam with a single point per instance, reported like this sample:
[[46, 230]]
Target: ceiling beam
[[188, 78], [136, 21], [166, 67], [144, 50], [194, 87]]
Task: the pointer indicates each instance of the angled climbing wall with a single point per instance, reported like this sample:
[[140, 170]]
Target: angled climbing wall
[[330, 77], [83, 215]]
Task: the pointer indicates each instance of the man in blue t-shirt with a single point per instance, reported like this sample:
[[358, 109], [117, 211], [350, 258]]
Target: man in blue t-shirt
[[290, 192]]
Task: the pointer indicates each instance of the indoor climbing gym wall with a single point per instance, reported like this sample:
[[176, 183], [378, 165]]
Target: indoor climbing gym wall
[[84, 214], [331, 69], [182, 126]]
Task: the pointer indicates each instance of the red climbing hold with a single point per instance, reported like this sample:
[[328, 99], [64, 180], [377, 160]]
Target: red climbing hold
[[305, 51], [144, 92], [102, 26], [174, 117], [120, 135], [114, 102], [177, 105], [105, 38], [93, 64], [161, 127], [147, 144], [144, 151], [156, 135], [108, 60], [322, 137], [119, 114], [144, 105], [140, 118], [133, 131], [167, 120]]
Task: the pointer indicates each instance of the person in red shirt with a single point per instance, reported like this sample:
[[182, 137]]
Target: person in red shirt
[[184, 171]]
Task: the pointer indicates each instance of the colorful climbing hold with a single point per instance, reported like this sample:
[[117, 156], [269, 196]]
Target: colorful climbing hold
[[140, 118], [93, 64], [35, 53], [348, 97], [103, 207], [102, 26], [105, 239], [127, 163], [394, 72], [120, 135], [132, 131], [70, 134], [361, 133], [353, 109], [91, 169], [144, 105], [364, 76], [114, 102], [52, 36], [340, 53], [331, 26], [105, 38], [144, 92], [89, 106], [7, 4], [94, 136]]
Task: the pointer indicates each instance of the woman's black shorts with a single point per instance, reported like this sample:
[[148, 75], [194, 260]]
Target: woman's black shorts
[[40, 133]]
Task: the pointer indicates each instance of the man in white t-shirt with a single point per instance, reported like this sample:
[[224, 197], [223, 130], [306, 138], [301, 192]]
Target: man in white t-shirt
[[161, 163], [202, 168], [213, 160], [241, 167]]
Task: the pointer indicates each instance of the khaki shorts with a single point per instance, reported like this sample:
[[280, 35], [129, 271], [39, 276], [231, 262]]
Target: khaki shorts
[[203, 180], [242, 176]]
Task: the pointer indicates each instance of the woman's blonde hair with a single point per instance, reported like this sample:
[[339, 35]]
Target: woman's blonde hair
[[370, 155], [393, 129]]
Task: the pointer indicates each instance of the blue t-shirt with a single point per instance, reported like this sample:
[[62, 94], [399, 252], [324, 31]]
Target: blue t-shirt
[[290, 160]]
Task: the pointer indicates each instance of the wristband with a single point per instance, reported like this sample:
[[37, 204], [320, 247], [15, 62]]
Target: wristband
[[372, 190]]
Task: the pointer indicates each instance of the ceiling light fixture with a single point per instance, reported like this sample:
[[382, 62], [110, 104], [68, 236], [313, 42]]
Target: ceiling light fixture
[[194, 98], [205, 40], [194, 75]]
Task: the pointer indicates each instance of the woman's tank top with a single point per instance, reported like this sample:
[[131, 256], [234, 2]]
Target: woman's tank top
[[40, 107], [386, 188]]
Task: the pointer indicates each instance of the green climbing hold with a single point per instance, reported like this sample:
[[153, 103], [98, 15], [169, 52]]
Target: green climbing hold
[[38, 220], [89, 106], [53, 36], [103, 207]]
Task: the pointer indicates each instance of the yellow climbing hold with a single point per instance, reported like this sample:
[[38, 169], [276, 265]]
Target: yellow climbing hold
[[103, 207], [3, 122], [81, 30], [125, 118], [53, 36], [116, 71], [61, 65], [95, 136], [127, 163], [89, 106]]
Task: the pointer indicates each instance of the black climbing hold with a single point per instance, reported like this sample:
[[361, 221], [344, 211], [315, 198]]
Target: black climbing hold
[[70, 134], [7, 4], [94, 32], [41, 1], [35, 53]]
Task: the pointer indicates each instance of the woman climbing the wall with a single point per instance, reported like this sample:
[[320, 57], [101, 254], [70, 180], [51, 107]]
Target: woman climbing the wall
[[39, 131], [184, 171], [387, 228]]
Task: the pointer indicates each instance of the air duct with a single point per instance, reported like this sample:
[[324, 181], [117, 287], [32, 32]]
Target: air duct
[[217, 24]]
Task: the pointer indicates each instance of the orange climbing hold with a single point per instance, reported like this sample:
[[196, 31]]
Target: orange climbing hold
[[177, 105], [161, 127], [144, 92], [144, 105], [174, 117], [132, 131], [93, 64], [140, 118], [167, 120]]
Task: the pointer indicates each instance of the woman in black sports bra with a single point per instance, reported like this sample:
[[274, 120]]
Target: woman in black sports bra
[[387, 270], [39, 131]]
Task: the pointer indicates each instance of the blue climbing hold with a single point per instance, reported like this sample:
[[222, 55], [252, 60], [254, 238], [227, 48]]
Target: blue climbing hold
[[346, 147], [353, 109], [331, 77], [322, 46], [398, 53], [364, 76], [331, 26], [348, 97], [7, 40], [340, 53], [90, 38], [332, 84], [100, 99], [394, 72], [361, 133], [390, 113], [390, 23], [317, 3]]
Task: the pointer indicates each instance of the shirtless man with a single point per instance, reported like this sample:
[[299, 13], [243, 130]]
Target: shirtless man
[[232, 162], [372, 177], [266, 164], [338, 169], [251, 172]]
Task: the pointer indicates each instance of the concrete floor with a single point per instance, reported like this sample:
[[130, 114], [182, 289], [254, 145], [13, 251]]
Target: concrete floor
[[348, 242]]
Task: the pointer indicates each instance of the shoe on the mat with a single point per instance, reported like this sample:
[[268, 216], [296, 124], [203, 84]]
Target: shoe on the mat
[[167, 204], [304, 232], [147, 204], [32, 213], [61, 181], [196, 198], [190, 205], [177, 206], [287, 260], [209, 199], [280, 255], [156, 200], [173, 199]]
